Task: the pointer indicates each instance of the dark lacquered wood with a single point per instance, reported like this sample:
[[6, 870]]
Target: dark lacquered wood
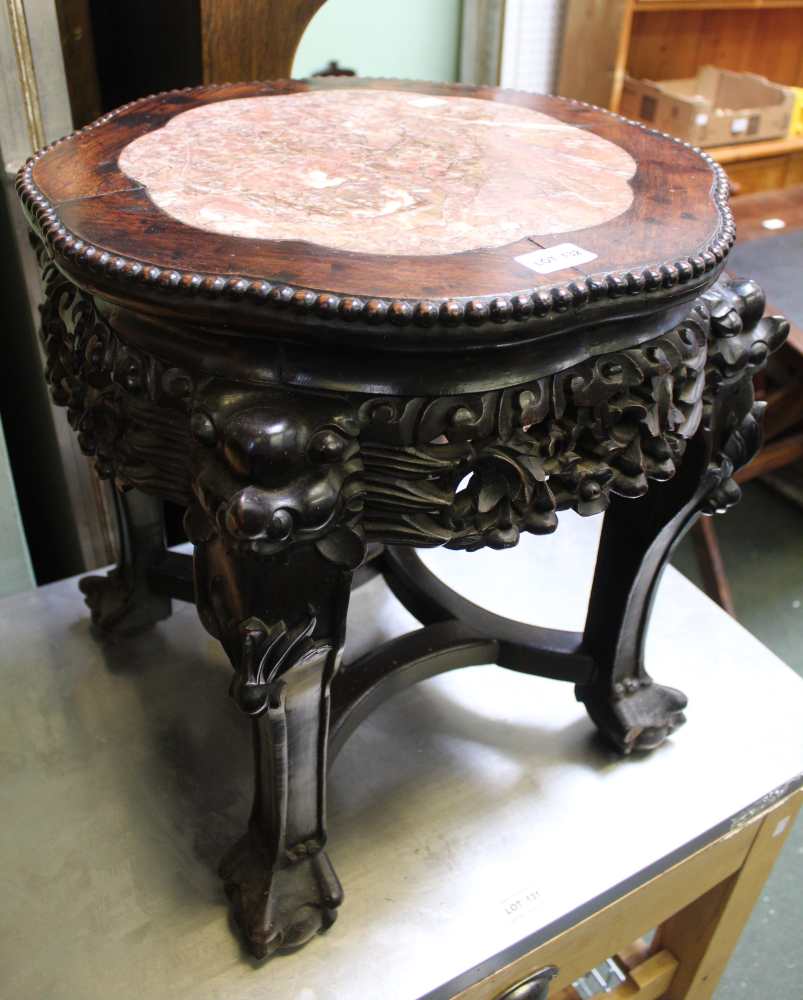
[[673, 237]]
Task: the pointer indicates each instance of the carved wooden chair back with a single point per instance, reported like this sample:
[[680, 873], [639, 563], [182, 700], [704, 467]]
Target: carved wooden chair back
[[253, 40]]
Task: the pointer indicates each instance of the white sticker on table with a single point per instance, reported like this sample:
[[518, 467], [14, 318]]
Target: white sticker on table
[[555, 258]]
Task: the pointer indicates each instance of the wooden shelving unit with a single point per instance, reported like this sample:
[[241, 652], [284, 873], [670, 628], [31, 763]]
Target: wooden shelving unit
[[665, 39], [741, 152]]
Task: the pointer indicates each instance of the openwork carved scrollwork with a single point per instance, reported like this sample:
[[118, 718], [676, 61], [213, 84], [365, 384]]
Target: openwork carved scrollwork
[[741, 340], [269, 466], [109, 390], [479, 469]]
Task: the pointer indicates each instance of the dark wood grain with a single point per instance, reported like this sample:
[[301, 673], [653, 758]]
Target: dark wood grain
[[103, 227], [252, 39]]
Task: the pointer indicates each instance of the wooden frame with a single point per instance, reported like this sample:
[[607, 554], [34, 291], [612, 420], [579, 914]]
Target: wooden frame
[[700, 906]]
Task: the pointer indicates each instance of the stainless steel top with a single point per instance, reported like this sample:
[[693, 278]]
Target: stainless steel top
[[467, 815]]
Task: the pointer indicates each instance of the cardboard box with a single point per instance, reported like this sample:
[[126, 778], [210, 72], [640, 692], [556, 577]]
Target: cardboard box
[[716, 108]]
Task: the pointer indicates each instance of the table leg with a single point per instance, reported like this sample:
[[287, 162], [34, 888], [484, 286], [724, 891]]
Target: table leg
[[122, 602], [281, 620], [275, 525], [636, 542], [638, 538], [703, 934]]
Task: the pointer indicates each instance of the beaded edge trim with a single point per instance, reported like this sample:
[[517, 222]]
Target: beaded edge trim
[[524, 305]]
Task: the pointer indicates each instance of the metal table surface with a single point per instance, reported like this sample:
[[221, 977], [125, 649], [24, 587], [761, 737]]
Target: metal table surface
[[471, 817]]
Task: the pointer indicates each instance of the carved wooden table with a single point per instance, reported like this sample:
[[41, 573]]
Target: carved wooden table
[[328, 315]]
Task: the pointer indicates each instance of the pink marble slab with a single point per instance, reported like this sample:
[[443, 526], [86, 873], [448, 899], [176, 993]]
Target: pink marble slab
[[380, 171]]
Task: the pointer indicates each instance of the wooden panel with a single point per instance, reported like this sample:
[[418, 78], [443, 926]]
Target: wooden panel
[[585, 945], [252, 39], [664, 45], [794, 169], [670, 44], [755, 150], [161, 50], [759, 175], [593, 72]]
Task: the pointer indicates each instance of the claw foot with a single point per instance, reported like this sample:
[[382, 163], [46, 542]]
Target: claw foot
[[637, 715], [278, 908]]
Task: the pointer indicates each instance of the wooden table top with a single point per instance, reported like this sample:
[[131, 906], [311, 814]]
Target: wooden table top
[[381, 202]]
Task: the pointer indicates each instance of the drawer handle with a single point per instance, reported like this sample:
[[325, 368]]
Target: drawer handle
[[533, 987]]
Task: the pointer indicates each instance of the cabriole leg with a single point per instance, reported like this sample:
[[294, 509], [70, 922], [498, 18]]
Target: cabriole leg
[[276, 532], [282, 623], [637, 539]]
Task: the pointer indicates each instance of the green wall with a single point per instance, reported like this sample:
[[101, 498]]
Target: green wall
[[413, 39]]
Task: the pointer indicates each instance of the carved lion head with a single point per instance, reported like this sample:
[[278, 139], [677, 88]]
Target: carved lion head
[[270, 466]]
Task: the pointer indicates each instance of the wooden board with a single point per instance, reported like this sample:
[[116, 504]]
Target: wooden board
[[727, 155], [666, 45], [594, 73], [758, 175]]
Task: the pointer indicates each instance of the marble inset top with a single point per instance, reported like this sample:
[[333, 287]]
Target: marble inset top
[[380, 171]]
